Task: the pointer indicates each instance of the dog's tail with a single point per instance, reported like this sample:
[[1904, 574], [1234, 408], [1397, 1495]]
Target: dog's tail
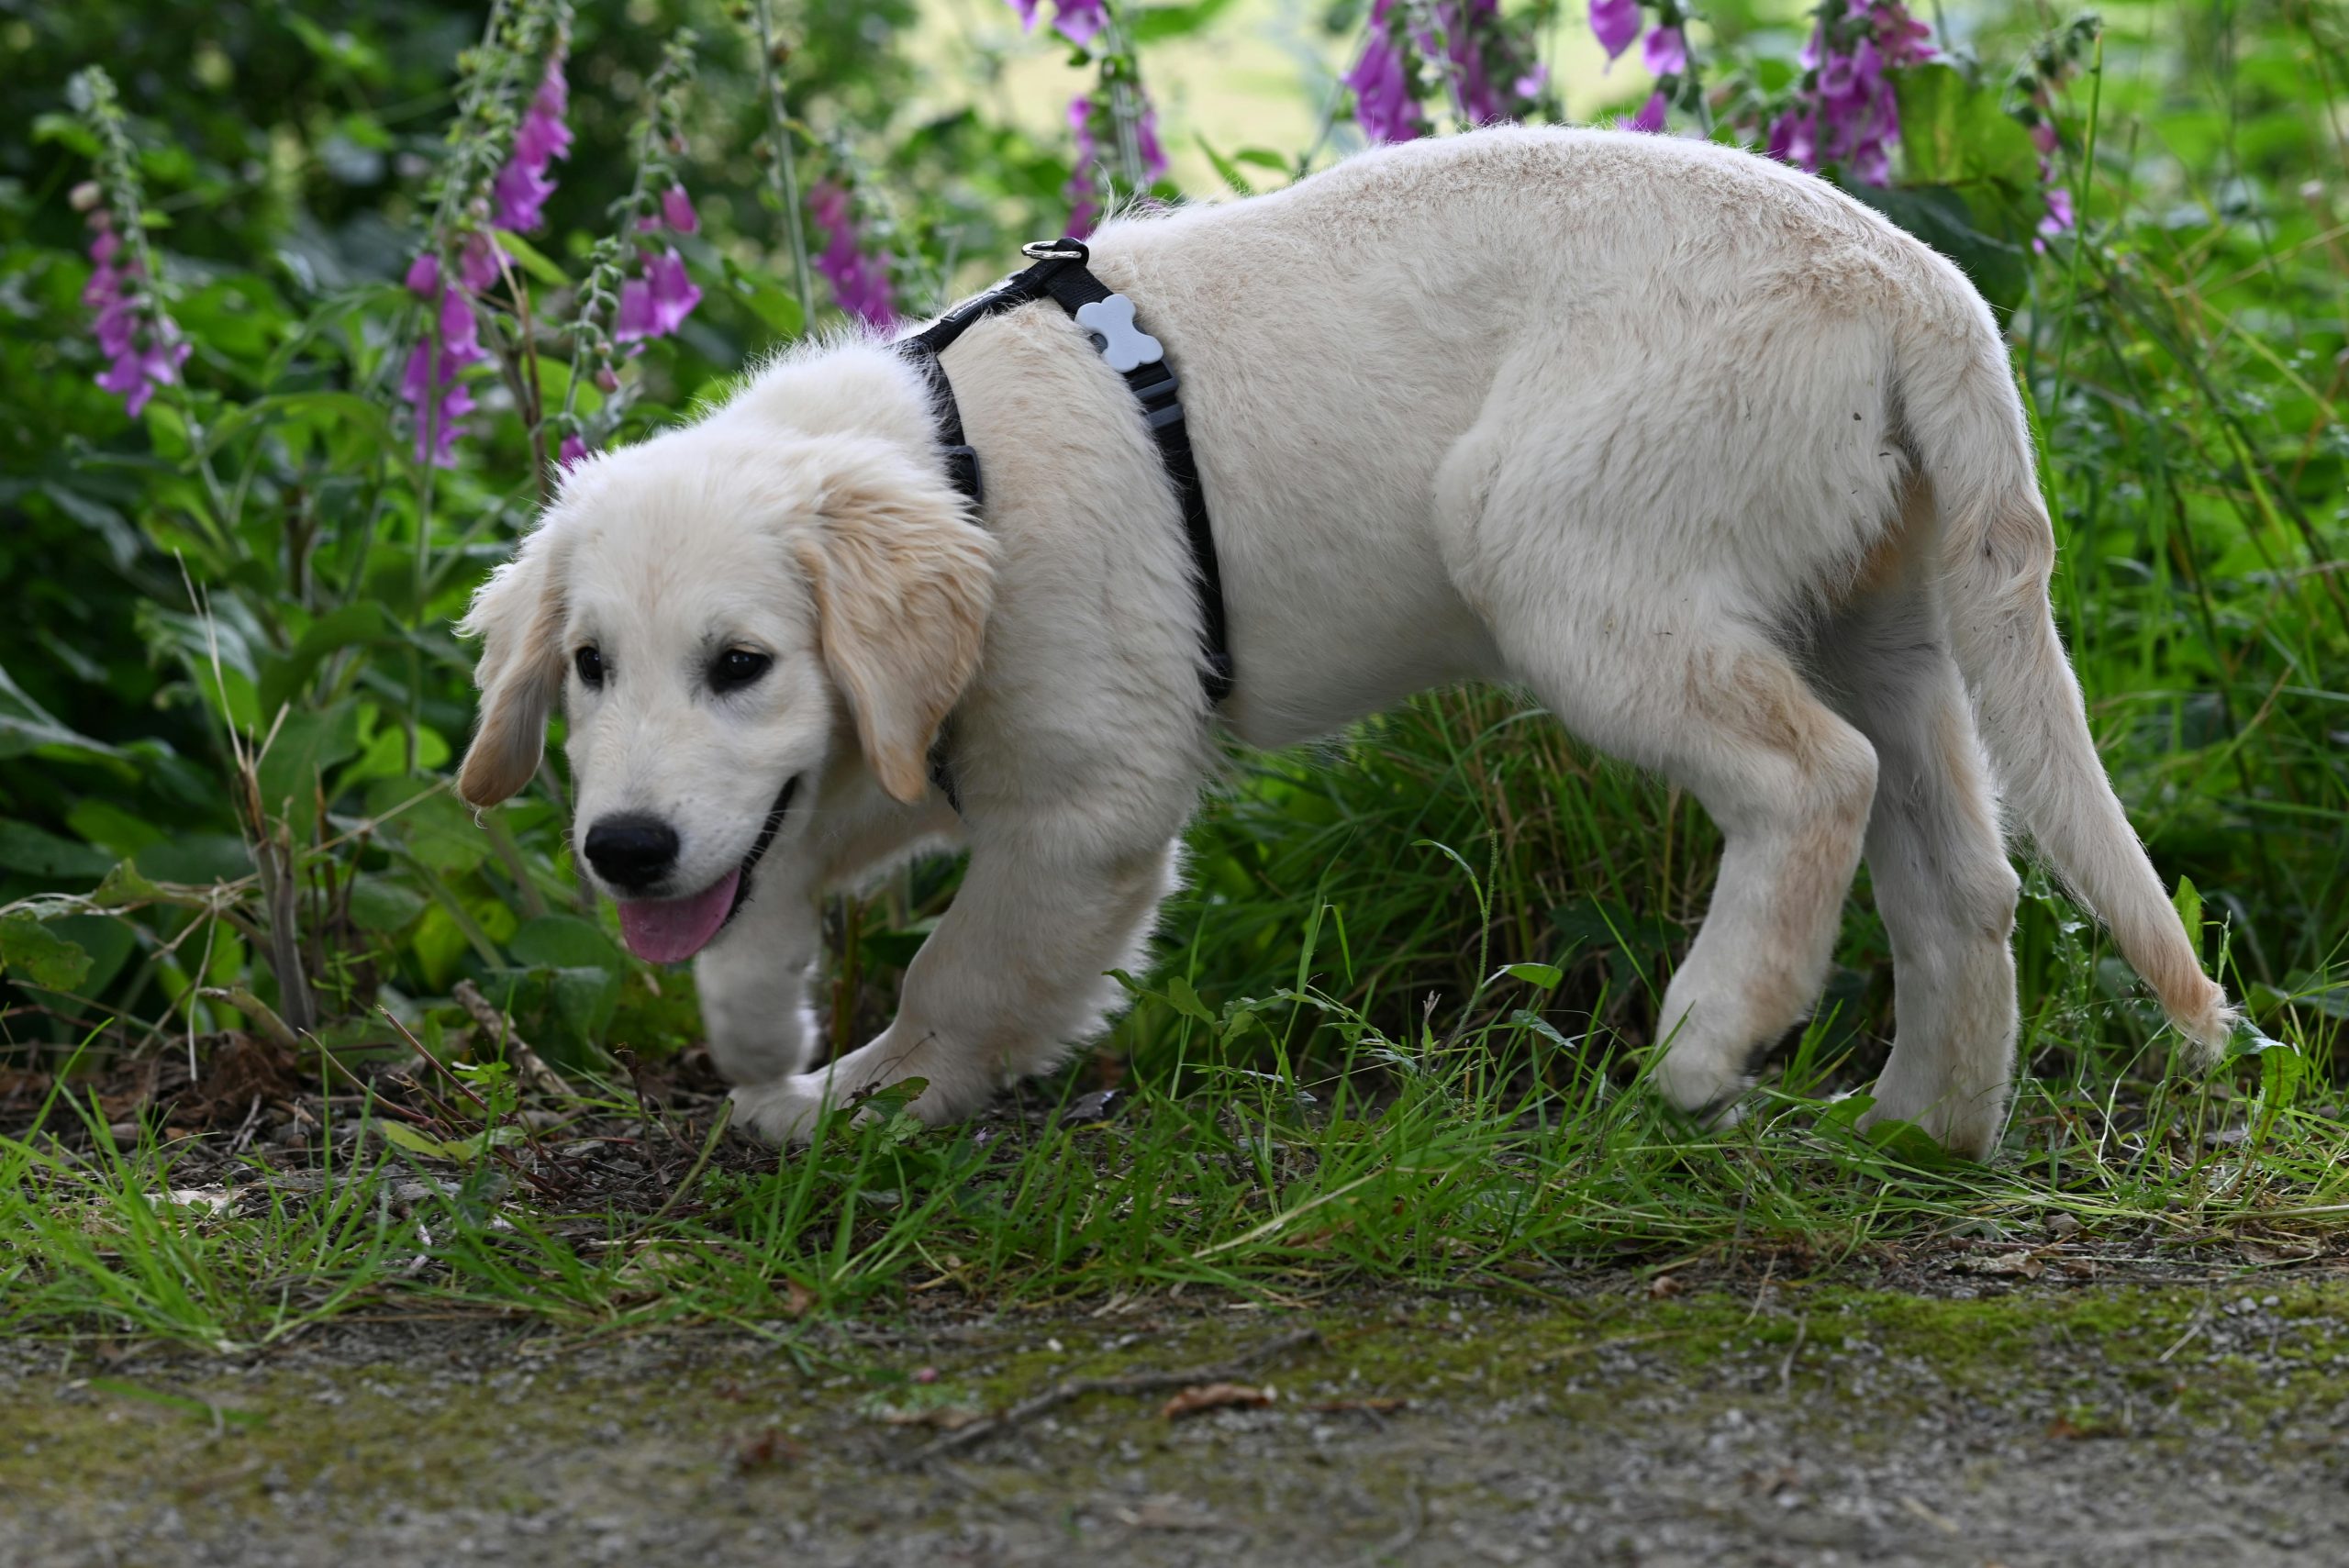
[[1967, 432]]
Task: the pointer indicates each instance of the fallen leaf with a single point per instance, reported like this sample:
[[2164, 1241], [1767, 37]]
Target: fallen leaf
[[1215, 1396], [796, 1298], [1663, 1285], [2024, 1265], [768, 1448], [1375, 1407]]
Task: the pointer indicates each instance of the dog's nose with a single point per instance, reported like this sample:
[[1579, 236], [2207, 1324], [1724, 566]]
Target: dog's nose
[[632, 850]]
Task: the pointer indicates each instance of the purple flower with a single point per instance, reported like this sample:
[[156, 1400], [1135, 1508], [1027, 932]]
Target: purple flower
[[1651, 115], [859, 281], [423, 278], [1665, 51], [657, 303], [2042, 137], [520, 191], [1845, 114], [137, 372], [431, 384], [1529, 87], [677, 210], [1616, 23], [478, 262], [574, 450], [121, 317], [1387, 103], [1078, 20], [2060, 218]]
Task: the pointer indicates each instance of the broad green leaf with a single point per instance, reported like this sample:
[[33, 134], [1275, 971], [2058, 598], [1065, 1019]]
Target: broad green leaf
[[1953, 133], [531, 260], [400, 1135], [37, 851], [1186, 1000], [306, 746], [1942, 218], [1545, 976], [28, 728], [353, 625], [1226, 170], [31, 951]]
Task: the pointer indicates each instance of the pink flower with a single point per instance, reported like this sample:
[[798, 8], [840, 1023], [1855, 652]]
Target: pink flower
[[431, 384], [1665, 51], [2042, 137], [1616, 23], [677, 210], [423, 278], [657, 303], [1078, 20], [520, 191], [1387, 103], [859, 281], [1651, 115], [478, 262], [2060, 218], [137, 372]]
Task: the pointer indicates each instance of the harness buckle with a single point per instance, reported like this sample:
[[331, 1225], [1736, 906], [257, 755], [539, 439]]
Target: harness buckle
[[1067, 248]]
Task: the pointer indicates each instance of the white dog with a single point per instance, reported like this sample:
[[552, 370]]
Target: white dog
[[1726, 469]]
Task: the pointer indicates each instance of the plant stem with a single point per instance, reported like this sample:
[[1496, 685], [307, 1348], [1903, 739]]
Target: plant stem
[[781, 171]]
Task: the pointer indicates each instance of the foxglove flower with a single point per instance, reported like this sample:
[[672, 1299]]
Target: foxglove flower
[[1386, 104], [572, 451], [1616, 24], [1846, 113], [520, 191], [122, 317], [1076, 20], [656, 303], [431, 384], [1651, 115], [859, 281], [677, 210], [1664, 52]]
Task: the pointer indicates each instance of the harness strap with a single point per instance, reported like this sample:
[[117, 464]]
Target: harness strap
[[1060, 275]]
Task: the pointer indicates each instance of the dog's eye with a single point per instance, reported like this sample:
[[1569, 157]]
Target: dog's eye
[[737, 668], [590, 665]]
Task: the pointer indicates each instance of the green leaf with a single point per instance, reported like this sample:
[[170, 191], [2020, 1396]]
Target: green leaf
[[35, 852], [767, 300], [564, 941], [1156, 24], [1953, 133], [1226, 170], [2188, 902], [531, 259], [35, 953], [379, 904], [1186, 1000], [26, 727], [307, 743], [1545, 976], [400, 1135], [353, 625]]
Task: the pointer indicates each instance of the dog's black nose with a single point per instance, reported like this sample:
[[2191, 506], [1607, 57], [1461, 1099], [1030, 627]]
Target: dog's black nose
[[631, 850]]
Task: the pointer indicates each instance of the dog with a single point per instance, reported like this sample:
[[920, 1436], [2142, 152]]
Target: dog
[[1724, 468]]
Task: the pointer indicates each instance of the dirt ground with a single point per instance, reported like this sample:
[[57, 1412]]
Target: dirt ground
[[2201, 1420]]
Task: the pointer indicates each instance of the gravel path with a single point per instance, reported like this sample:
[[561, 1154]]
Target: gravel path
[[2199, 1423]]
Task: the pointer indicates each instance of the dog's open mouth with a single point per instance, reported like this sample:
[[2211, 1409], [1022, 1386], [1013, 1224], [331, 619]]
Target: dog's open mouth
[[670, 931]]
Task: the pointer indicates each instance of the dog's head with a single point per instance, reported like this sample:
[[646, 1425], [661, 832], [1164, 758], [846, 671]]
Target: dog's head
[[707, 605]]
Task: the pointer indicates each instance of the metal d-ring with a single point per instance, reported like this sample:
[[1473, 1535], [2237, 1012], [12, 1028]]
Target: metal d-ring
[[1066, 248]]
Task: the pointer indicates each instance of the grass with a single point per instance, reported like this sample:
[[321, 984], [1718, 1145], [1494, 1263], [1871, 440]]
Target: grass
[[1397, 1034]]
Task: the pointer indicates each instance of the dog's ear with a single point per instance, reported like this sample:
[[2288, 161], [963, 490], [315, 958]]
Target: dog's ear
[[518, 615], [903, 580]]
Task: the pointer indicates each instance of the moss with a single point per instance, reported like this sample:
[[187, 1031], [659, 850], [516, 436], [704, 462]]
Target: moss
[[555, 1427]]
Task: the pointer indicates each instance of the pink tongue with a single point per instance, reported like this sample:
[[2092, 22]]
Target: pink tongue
[[670, 931]]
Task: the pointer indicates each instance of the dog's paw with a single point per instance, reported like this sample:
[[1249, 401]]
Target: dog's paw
[[784, 1112]]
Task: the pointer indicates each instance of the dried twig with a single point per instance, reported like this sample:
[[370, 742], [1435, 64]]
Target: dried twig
[[527, 1062], [276, 1030], [1061, 1393]]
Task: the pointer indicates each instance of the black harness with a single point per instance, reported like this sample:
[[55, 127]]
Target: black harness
[[1059, 275]]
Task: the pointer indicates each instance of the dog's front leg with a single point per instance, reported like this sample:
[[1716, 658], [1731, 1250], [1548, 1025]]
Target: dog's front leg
[[1014, 975], [753, 979]]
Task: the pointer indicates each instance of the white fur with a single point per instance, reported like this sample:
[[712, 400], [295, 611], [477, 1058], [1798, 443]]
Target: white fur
[[1726, 469]]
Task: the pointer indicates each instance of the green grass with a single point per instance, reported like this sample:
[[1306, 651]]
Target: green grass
[[1353, 912]]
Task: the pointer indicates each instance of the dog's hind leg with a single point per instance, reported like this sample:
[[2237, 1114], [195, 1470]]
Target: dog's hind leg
[[1718, 709], [1944, 884]]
